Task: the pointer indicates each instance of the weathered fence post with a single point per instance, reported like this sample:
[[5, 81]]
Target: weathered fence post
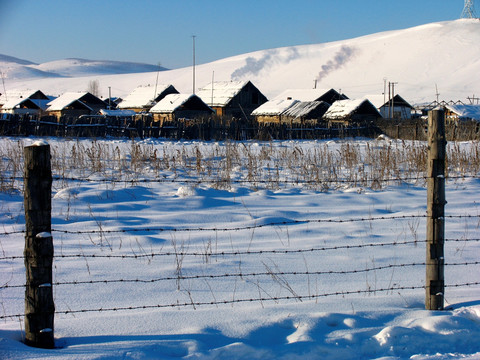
[[434, 283], [39, 306]]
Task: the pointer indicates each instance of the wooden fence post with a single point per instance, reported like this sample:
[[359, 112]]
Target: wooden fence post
[[39, 306], [434, 283]]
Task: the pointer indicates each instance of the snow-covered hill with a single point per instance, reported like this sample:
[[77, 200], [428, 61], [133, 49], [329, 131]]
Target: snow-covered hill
[[442, 56], [14, 69]]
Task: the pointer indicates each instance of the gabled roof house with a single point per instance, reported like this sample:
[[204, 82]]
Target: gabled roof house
[[232, 98], [75, 104], [21, 106], [180, 106], [271, 112], [24, 101], [143, 98], [460, 112], [347, 112], [395, 108], [305, 112]]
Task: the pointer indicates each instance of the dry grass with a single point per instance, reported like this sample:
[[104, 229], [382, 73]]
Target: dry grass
[[322, 166]]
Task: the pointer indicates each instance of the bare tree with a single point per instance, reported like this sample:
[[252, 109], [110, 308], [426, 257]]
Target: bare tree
[[94, 87]]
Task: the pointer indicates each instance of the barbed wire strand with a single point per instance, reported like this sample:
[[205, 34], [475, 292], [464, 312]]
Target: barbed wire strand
[[248, 227], [250, 300], [238, 252], [244, 275]]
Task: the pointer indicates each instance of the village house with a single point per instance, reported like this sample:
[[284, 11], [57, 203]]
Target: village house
[[349, 112], [143, 98], [327, 95], [180, 106], [74, 104], [21, 107], [235, 99], [395, 108], [24, 102], [305, 113], [461, 112], [271, 112]]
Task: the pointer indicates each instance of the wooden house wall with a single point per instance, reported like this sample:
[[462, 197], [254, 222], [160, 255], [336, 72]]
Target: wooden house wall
[[399, 112], [451, 117], [192, 114], [22, 111], [248, 99], [160, 118], [69, 113], [219, 110], [269, 119]]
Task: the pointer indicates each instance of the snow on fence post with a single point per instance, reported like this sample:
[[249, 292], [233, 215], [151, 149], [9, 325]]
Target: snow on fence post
[[434, 282], [39, 305]]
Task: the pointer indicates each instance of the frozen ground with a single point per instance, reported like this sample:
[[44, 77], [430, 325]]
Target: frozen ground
[[167, 268]]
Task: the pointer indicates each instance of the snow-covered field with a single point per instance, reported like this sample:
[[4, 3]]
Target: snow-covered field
[[203, 255]]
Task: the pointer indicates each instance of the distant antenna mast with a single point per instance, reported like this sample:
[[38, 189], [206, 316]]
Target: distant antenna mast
[[469, 10], [193, 85], [437, 94], [213, 78], [3, 82]]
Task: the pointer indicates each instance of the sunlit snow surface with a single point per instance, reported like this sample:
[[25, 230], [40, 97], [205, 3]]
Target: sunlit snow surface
[[173, 238]]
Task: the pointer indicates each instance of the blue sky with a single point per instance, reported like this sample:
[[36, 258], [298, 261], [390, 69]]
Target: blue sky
[[159, 31]]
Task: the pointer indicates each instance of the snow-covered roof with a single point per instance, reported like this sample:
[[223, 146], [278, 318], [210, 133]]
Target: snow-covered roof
[[170, 103], [301, 94], [466, 111], [219, 93], [107, 112], [343, 108], [65, 100], [302, 108], [18, 94], [274, 107], [16, 102], [142, 96]]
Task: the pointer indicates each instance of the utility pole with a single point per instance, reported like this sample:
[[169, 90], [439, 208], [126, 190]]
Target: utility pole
[[193, 38], [384, 92], [393, 98], [213, 82]]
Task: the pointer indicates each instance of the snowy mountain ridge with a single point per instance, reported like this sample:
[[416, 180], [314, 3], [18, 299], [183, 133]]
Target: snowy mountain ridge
[[15, 69]]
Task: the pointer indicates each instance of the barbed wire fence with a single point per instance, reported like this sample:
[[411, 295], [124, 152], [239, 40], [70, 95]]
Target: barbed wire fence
[[269, 270], [271, 273]]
